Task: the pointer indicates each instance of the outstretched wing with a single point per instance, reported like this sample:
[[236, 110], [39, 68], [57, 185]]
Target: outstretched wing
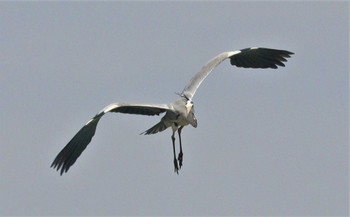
[[248, 58], [70, 153]]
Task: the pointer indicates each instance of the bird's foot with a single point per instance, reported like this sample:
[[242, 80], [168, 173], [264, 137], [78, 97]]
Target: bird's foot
[[176, 166], [180, 158]]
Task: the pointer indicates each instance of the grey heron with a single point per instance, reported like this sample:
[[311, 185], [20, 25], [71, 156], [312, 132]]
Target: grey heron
[[178, 113]]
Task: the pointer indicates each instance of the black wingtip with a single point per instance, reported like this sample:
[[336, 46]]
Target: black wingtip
[[260, 58], [71, 152]]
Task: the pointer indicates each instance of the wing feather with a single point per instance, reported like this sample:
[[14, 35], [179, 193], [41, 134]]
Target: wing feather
[[247, 58], [71, 152]]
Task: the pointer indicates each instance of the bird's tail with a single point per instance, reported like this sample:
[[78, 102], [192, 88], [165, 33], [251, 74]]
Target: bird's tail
[[161, 126]]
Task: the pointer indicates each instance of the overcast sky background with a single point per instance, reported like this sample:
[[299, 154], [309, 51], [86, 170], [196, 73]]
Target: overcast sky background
[[268, 142]]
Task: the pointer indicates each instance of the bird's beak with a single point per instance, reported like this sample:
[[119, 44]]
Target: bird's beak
[[194, 124]]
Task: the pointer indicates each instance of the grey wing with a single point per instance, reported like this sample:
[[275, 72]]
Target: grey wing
[[197, 79], [248, 58], [70, 153]]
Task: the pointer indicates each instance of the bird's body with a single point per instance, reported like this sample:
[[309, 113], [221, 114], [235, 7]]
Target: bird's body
[[179, 113]]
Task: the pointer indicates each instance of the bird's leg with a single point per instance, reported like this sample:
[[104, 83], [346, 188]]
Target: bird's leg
[[175, 161], [180, 157]]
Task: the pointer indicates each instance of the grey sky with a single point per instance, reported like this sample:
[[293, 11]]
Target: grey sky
[[268, 142]]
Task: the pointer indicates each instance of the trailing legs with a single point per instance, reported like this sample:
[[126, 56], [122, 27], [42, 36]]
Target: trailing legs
[[180, 157], [176, 166]]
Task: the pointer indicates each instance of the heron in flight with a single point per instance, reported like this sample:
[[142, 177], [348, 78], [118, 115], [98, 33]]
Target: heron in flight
[[178, 113]]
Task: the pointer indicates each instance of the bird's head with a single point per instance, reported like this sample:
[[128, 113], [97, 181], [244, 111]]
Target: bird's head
[[189, 106], [190, 113]]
